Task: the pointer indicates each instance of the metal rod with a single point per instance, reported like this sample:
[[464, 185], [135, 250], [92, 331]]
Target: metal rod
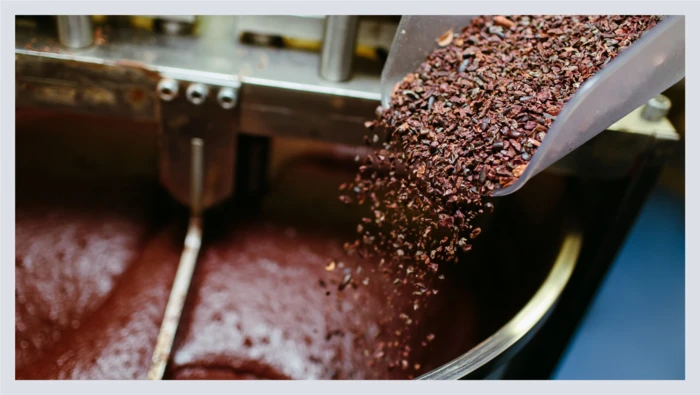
[[339, 38], [183, 277], [197, 176], [75, 31]]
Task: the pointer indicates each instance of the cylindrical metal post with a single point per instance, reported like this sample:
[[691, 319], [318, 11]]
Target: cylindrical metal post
[[339, 38], [75, 31], [197, 176], [656, 108]]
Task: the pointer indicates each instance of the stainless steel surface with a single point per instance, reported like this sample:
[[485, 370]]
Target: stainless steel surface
[[168, 89], [197, 93], [86, 87], [372, 31], [657, 108], [301, 27], [522, 325], [280, 93], [338, 51], [75, 31], [227, 98], [183, 277]]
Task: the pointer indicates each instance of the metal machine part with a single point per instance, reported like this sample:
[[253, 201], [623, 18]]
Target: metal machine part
[[275, 93], [185, 270], [227, 98], [197, 93], [656, 109], [75, 31], [372, 31], [338, 51], [168, 89], [198, 114]]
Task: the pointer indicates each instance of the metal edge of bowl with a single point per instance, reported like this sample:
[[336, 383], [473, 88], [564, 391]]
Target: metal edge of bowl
[[522, 324]]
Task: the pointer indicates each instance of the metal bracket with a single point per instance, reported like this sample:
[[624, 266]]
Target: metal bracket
[[198, 108]]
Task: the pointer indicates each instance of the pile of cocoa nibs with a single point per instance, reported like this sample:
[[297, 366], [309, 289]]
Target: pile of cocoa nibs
[[466, 123]]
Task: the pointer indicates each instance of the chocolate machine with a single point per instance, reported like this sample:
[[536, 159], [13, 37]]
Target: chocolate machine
[[190, 118]]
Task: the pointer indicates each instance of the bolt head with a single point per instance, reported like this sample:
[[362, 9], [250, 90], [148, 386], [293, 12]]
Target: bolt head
[[167, 89], [227, 98], [197, 93]]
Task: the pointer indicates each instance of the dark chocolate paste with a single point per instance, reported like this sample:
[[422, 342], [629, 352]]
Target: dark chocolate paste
[[95, 262]]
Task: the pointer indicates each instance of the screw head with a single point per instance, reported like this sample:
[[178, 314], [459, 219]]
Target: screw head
[[197, 93], [227, 98], [167, 89]]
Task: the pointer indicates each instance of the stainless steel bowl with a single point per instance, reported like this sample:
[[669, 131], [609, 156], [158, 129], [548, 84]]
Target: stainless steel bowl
[[491, 356]]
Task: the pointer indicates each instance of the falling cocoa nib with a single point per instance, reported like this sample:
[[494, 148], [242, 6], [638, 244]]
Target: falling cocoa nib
[[345, 282], [466, 123], [446, 38]]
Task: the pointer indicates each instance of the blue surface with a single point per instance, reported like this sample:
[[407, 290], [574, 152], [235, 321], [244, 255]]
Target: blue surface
[[635, 327]]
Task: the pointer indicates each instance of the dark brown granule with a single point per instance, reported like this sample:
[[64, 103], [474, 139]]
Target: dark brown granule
[[466, 123]]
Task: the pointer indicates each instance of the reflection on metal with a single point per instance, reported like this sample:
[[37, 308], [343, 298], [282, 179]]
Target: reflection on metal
[[183, 277], [197, 172], [519, 326], [168, 89], [227, 98], [337, 53], [197, 93], [75, 31]]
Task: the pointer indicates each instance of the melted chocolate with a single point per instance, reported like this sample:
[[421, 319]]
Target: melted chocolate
[[263, 305], [84, 218], [95, 263], [117, 340]]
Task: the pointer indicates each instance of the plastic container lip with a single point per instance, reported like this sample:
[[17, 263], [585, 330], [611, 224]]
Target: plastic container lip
[[648, 67]]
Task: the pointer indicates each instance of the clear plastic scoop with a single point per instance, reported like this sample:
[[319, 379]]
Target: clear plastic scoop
[[648, 67]]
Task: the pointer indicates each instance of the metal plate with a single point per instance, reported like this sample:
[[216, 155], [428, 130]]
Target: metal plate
[[281, 91], [181, 121], [85, 87]]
